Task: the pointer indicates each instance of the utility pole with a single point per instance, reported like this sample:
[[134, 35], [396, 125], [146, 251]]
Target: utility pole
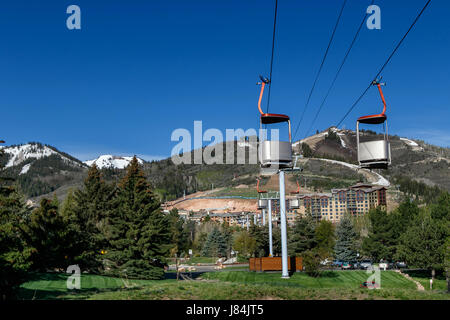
[[284, 257]]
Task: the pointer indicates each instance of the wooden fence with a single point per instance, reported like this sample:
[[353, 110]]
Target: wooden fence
[[274, 264]]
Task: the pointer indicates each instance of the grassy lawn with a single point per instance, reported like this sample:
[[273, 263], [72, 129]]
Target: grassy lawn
[[329, 279], [53, 286], [227, 285], [422, 276]]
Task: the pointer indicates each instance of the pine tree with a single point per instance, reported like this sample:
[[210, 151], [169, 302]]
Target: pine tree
[[86, 213], [48, 236], [215, 245], [302, 237], [139, 233], [380, 243], [15, 252], [179, 235], [261, 236], [346, 236]]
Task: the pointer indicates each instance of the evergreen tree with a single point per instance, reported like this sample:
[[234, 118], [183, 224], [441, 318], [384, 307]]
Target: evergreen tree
[[380, 243], [178, 234], [48, 236], [261, 236], [15, 252], [227, 234], [86, 213], [346, 237], [302, 237], [138, 232], [306, 150], [441, 209], [215, 245]]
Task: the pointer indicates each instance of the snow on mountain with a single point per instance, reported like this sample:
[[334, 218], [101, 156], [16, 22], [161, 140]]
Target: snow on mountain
[[20, 153], [25, 168], [110, 161], [412, 144]]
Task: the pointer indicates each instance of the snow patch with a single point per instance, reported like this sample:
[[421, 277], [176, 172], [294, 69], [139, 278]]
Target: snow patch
[[19, 154], [410, 142], [110, 161], [342, 140], [25, 169], [414, 145]]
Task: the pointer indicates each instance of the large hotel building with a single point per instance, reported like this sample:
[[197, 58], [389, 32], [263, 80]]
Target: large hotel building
[[356, 200]]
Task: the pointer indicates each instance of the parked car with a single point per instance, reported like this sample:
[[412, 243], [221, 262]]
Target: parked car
[[346, 266], [337, 263], [383, 265], [365, 264], [355, 265], [400, 265]]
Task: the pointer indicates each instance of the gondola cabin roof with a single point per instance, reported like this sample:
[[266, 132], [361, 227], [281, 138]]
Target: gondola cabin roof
[[269, 118], [373, 119]]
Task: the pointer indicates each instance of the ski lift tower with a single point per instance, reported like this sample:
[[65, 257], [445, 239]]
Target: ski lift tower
[[277, 155]]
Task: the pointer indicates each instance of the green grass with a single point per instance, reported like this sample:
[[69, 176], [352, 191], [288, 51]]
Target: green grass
[[227, 285], [423, 277], [329, 279], [54, 286]]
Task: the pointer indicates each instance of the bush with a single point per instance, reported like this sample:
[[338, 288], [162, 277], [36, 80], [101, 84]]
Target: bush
[[311, 262]]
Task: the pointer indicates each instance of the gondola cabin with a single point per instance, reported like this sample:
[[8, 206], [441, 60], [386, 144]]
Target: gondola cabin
[[374, 151], [273, 152], [262, 204]]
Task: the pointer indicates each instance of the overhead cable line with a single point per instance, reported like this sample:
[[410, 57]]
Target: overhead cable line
[[338, 71], [385, 64], [273, 51], [320, 68]]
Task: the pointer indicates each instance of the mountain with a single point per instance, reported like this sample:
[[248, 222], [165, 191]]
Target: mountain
[[111, 162], [414, 159], [41, 169]]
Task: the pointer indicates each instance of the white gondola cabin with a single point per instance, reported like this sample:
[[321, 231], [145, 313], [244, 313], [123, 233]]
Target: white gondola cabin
[[374, 153], [274, 153]]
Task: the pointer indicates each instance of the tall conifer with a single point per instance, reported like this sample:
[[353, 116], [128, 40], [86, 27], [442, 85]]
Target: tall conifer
[[139, 233]]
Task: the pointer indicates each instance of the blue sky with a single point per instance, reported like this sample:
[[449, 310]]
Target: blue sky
[[137, 70]]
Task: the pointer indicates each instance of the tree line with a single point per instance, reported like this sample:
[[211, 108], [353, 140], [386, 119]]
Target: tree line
[[113, 229]]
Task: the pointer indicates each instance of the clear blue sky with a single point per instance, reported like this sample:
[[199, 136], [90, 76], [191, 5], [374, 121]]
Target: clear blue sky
[[137, 70]]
